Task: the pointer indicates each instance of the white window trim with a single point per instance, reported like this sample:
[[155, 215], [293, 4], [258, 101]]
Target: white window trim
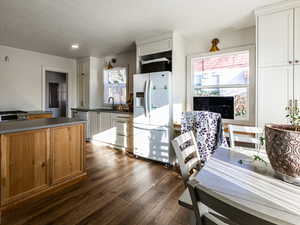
[[252, 81]]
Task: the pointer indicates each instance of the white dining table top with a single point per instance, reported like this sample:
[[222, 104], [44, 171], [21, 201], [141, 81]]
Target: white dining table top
[[250, 186]]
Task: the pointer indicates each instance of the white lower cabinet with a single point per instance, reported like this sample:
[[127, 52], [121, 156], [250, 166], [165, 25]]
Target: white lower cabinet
[[115, 129], [104, 121], [91, 119]]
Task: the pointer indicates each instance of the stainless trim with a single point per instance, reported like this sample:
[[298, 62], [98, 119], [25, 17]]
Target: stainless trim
[[146, 98], [149, 97]]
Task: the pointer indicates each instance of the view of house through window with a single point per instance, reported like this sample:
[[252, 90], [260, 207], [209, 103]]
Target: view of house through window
[[224, 75], [115, 85]]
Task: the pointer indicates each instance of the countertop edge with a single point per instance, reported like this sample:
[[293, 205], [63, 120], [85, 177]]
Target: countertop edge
[[101, 110], [36, 113], [16, 130]]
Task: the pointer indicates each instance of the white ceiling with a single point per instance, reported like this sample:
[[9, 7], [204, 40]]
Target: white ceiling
[[105, 27]]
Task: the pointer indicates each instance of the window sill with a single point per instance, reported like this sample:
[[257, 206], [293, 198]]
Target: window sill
[[238, 122]]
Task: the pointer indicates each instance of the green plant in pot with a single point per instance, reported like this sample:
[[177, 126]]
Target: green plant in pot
[[256, 157], [283, 146], [293, 116]]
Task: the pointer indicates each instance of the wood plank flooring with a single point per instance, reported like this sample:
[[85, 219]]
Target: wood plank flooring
[[119, 190]]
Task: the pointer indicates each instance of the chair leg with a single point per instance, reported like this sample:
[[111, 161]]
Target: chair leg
[[197, 211]]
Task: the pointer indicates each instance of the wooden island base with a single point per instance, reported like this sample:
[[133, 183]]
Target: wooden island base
[[38, 162]]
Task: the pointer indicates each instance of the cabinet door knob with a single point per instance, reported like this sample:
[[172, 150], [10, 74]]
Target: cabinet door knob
[[290, 62], [296, 61]]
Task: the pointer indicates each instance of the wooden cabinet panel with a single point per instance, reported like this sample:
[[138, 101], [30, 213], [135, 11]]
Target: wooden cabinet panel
[[67, 152], [275, 39], [24, 164]]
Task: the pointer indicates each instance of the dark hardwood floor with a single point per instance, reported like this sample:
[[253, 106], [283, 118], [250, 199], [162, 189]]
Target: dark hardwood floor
[[119, 190]]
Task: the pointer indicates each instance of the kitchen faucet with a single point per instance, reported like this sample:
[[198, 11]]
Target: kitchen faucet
[[113, 101]]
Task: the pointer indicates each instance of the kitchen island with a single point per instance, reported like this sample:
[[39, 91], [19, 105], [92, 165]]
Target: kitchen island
[[39, 157]]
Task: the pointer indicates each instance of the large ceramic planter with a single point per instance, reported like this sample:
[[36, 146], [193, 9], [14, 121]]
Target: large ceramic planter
[[283, 149]]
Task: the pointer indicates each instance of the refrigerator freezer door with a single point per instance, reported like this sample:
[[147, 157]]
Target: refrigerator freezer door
[[152, 142], [141, 89], [159, 99]]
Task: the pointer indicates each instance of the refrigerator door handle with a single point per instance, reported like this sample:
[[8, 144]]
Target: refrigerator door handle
[[149, 97], [146, 98]]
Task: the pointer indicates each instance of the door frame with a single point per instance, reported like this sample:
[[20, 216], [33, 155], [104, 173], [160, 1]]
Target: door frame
[[57, 70]]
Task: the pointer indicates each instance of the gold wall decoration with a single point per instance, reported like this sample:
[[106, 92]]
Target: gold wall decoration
[[109, 66], [214, 47]]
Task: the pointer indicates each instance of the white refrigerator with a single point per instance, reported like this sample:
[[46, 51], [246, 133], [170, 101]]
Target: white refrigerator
[[153, 116]]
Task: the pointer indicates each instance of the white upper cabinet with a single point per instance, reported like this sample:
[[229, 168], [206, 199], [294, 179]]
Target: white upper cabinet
[[275, 35], [89, 72], [297, 36], [83, 84], [155, 47]]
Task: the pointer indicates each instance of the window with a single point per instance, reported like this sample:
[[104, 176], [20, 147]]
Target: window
[[225, 74], [115, 85]]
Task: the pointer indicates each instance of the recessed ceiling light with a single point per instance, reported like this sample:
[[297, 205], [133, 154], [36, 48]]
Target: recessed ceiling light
[[75, 46]]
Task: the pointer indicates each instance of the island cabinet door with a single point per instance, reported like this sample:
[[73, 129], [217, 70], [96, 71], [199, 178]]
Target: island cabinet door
[[24, 164], [67, 152]]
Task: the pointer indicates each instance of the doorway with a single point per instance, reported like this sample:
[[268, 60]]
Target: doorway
[[56, 96]]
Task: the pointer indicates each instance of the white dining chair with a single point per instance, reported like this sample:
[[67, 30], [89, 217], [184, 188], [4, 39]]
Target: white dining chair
[[186, 151], [245, 134]]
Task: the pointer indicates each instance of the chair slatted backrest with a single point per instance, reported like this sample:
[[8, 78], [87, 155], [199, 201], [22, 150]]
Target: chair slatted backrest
[[210, 208], [244, 134], [185, 147]]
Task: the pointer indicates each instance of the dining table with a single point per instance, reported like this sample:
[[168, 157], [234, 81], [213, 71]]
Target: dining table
[[241, 185]]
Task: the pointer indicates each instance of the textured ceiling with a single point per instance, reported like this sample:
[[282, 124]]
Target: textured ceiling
[[104, 27]]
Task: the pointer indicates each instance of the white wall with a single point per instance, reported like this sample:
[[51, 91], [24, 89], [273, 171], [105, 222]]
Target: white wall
[[230, 39], [21, 78]]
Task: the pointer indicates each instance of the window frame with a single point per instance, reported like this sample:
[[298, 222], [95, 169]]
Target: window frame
[[127, 83], [250, 86]]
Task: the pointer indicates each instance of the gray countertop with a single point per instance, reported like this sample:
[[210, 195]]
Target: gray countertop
[[25, 125], [100, 110]]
